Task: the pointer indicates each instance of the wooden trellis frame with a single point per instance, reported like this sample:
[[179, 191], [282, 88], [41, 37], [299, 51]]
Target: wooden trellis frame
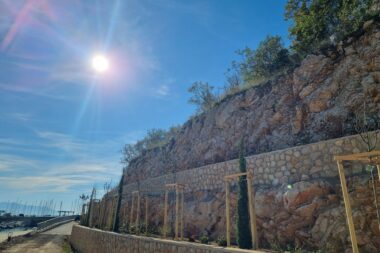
[[251, 205], [137, 220], [372, 157], [179, 193]]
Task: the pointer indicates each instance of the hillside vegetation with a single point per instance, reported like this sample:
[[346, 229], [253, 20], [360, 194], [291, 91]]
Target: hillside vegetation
[[277, 97]]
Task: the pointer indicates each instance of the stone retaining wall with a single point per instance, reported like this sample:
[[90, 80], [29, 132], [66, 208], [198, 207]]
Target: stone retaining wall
[[287, 166], [86, 240], [297, 197]]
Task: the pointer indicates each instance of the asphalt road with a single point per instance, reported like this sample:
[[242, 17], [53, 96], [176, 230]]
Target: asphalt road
[[51, 241]]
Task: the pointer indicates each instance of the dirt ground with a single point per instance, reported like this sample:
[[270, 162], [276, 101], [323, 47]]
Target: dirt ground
[[51, 241]]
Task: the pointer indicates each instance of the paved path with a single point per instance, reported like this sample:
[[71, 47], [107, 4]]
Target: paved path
[[51, 241]]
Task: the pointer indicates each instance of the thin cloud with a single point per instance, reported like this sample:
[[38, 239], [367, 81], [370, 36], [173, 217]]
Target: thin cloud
[[84, 163], [40, 183], [25, 90], [163, 90], [14, 162], [24, 117], [4, 167]]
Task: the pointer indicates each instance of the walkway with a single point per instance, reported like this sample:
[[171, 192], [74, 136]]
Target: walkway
[[51, 241]]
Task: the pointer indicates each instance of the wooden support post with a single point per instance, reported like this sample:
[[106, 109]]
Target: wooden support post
[[82, 216], [138, 213], [125, 213], [347, 206], [252, 212], [176, 212], [182, 207], [146, 214], [228, 233], [166, 214], [132, 206], [375, 196]]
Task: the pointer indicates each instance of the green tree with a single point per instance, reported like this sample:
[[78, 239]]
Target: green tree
[[202, 96], [155, 138], [83, 218], [90, 207], [129, 152], [244, 238], [270, 57], [319, 23], [234, 80], [116, 223]]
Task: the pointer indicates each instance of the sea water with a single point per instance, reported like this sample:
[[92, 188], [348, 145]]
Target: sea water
[[13, 232]]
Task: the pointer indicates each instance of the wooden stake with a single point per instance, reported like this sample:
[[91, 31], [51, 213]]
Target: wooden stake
[[166, 213], [146, 214], [182, 207], [138, 213], [176, 212], [236, 175], [228, 214], [252, 212], [347, 206], [133, 204], [378, 171]]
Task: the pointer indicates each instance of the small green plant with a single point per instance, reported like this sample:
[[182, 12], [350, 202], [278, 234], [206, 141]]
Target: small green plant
[[132, 229], [204, 239], [221, 241], [275, 246], [153, 230], [66, 247], [292, 249]]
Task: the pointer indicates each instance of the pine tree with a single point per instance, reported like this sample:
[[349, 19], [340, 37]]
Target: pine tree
[[244, 238]]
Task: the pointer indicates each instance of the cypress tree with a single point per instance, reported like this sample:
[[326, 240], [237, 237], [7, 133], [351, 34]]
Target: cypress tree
[[244, 238], [89, 212], [116, 223]]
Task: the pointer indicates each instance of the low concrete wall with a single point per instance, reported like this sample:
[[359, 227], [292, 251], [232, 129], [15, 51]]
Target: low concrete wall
[[87, 240], [55, 221]]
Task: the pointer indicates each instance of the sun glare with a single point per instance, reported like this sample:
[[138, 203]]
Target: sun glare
[[100, 63]]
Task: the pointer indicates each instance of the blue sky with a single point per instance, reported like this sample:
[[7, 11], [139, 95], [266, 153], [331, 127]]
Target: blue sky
[[62, 125]]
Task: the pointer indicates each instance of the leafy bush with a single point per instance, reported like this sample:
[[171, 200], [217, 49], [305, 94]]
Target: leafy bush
[[155, 138], [133, 229], [152, 230], [270, 57], [221, 241], [191, 238], [204, 239], [202, 96]]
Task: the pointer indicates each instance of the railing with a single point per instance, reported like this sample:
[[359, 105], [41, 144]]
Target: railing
[[55, 222]]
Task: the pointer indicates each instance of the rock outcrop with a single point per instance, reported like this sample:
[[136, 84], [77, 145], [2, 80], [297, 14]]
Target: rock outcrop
[[315, 102], [318, 101], [310, 215]]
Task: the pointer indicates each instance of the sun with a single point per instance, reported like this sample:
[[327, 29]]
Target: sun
[[100, 63]]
